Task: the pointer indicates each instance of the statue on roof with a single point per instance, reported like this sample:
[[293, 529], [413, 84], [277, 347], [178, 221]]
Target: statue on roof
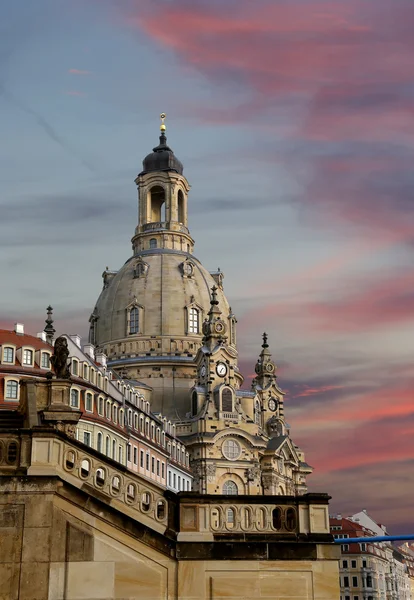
[[60, 357]]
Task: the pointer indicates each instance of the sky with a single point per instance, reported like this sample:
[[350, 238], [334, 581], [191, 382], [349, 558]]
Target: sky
[[295, 123]]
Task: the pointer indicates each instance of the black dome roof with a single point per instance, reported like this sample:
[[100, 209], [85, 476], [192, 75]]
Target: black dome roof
[[162, 158]]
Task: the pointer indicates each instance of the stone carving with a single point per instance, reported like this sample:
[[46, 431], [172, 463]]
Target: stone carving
[[141, 269], [274, 426], [253, 473], [59, 359], [187, 268], [210, 472]]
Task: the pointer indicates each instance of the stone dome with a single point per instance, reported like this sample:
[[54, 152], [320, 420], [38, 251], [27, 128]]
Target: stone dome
[[162, 158], [168, 291], [163, 284]]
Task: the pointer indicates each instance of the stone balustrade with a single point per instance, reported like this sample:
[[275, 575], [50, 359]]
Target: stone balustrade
[[208, 517], [97, 475]]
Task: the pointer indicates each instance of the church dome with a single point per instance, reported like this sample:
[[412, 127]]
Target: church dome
[[162, 158], [164, 285], [149, 316]]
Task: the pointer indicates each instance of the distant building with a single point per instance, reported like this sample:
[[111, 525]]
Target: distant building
[[368, 570], [21, 356]]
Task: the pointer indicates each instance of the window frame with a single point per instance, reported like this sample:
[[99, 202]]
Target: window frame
[[230, 484], [7, 382], [25, 352], [13, 351], [42, 355], [193, 320], [73, 391], [88, 395]]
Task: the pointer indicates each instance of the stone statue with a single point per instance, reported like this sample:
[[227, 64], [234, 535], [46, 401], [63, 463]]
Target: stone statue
[[59, 359]]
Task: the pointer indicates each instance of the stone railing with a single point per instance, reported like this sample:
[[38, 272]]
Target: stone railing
[[229, 416], [9, 453], [155, 225], [95, 474], [209, 517]]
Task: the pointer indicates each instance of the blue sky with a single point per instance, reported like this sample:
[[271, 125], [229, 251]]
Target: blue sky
[[294, 124]]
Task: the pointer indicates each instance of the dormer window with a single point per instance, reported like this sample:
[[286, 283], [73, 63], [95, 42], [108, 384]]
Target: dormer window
[[27, 358], [74, 398], [134, 318], [193, 321], [75, 367], [8, 355], [85, 371], [89, 402], [45, 360]]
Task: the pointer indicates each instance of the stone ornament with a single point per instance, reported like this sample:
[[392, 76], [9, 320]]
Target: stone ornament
[[59, 360]]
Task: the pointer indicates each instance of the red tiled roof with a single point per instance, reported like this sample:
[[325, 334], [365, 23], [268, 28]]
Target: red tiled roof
[[11, 337]]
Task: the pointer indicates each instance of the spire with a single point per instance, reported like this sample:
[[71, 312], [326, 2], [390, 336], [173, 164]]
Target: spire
[[49, 329], [265, 367], [162, 157], [214, 328]]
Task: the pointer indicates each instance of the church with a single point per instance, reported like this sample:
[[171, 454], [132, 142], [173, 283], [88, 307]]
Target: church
[[164, 320], [136, 465]]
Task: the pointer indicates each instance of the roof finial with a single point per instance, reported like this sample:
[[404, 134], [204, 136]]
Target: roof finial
[[265, 344], [49, 329], [162, 126]]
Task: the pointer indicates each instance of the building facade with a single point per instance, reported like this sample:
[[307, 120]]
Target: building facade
[[369, 570], [136, 466], [164, 320]]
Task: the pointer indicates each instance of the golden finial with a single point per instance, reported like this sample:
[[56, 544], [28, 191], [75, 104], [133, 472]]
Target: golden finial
[[162, 117]]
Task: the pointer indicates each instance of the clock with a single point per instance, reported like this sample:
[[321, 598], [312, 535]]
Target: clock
[[272, 404], [221, 369], [203, 371], [270, 367]]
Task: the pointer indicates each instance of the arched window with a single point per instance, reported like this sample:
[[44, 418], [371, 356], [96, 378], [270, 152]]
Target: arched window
[[180, 206], [227, 400], [230, 488], [157, 210], [194, 403], [89, 402], [193, 321], [12, 390], [8, 355], [257, 414], [27, 357], [74, 398], [99, 442], [114, 449], [230, 516], [134, 320], [45, 360], [107, 446], [153, 243]]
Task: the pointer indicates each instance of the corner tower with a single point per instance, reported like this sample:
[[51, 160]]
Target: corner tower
[[148, 318]]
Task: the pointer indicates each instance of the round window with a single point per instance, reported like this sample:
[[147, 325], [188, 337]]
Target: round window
[[231, 449]]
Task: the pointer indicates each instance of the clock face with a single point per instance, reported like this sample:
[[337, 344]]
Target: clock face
[[203, 371], [270, 367], [221, 369], [272, 404]]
